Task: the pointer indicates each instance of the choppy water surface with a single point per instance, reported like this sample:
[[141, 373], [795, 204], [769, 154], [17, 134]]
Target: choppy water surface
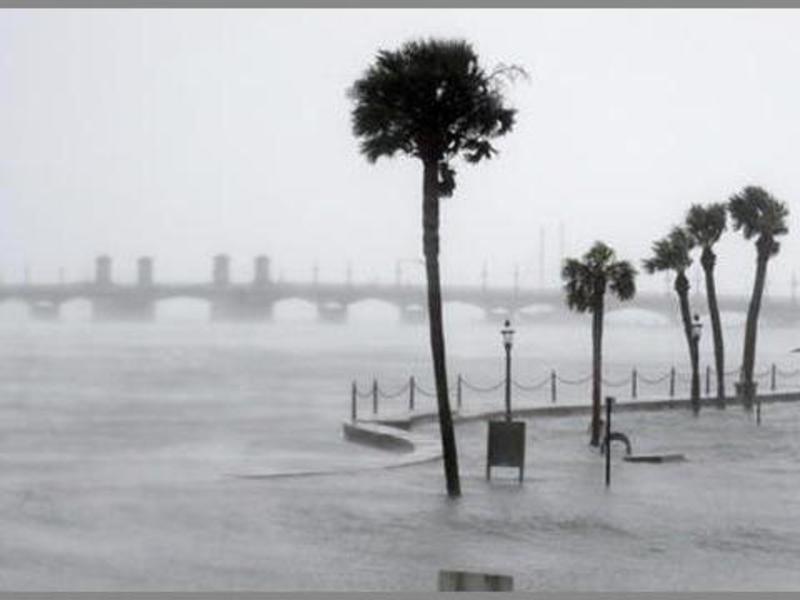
[[117, 443]]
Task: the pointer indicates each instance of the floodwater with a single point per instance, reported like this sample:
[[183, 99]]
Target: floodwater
[[120, 445]]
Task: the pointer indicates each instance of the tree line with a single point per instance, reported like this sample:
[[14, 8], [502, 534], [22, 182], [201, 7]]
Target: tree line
[[754, 212]]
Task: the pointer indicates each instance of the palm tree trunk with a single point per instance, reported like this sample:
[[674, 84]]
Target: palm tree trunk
[[708, 260], [750, 331], [597, 371], [682, 289], [430, 243]]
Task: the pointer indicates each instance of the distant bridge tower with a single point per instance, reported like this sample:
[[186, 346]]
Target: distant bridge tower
[[261, 274], [144, 271], [315, 274], [484, 277], [349, 275], [102, 270], [108, 304], [222, 270]]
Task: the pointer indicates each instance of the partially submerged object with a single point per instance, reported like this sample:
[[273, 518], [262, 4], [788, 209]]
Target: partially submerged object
[[468, 581], [655, 458]]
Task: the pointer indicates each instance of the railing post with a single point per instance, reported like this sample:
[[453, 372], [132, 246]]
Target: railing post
[[458, 392], [374, 396], [672, 382], [553, 390], [634, 383], [708, 380], [411, 390], [773, 379], [354, 402]]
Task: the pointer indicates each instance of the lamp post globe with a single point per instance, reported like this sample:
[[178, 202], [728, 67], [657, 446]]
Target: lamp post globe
[[697, 329]]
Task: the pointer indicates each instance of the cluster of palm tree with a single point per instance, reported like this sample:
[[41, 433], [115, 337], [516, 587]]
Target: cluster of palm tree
[[757, 214], [753, 211], [431, 100]]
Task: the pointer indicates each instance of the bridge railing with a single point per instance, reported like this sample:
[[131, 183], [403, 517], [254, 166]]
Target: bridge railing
[[410, 395]]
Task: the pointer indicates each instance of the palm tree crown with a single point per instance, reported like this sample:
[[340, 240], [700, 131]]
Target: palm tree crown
[[756, 212], [706, 224], [671, 253], [431, 100], [587, 279]]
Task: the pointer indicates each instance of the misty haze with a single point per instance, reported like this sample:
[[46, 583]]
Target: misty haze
[[226, 362]]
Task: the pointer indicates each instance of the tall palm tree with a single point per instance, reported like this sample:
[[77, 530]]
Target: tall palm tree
[[432, 101], [673, 253], [706, 225], [757, 214], [585, 284]]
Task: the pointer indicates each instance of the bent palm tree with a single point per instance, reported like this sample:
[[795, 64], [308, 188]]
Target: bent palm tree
[[706, 224], [432, 101], [672, 253], [757, 214], [586, 281]]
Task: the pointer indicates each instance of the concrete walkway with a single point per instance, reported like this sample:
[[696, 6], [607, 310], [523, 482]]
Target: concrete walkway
[[392, 432]]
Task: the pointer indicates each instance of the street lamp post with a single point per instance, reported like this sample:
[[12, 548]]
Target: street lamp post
[[508, 341], [697, 330], [506, 443]]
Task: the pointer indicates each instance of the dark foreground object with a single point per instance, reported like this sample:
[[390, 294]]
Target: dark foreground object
[[466, 581], [655, 458], [506, 446]]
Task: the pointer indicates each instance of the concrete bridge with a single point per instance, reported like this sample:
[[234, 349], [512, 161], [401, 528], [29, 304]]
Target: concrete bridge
[[254, 300]]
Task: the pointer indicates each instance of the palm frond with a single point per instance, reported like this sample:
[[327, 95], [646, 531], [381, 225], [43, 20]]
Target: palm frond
[[432, 100], [706, 224], [671, 253], [622, 279], [586, 279]]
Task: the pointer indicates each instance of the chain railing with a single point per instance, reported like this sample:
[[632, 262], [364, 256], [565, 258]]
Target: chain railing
[[411, 389]]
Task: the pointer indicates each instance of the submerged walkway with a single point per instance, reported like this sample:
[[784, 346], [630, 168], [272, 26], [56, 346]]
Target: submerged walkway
[[392, 431]]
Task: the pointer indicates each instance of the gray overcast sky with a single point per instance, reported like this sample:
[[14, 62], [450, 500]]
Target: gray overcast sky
[[181, 134]]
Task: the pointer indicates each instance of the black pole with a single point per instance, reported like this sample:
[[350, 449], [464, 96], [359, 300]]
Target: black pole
[[672, 382], [609, 403], [508, 382]]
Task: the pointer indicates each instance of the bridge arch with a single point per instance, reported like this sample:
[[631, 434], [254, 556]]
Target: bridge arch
[[460, 311], [294, 308], [637, 316], [182, 308], [77, 308], [373, 309]]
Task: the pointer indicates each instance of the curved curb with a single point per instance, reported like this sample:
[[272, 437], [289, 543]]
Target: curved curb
[[414, 448], [407, 449]]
